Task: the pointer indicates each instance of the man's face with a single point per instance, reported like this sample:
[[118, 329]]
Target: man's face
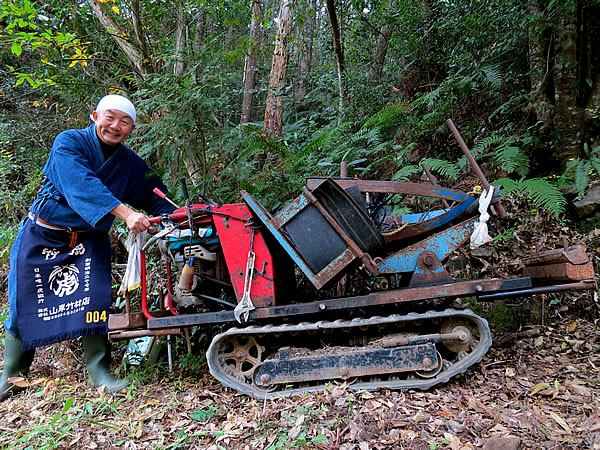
[[113, 126]]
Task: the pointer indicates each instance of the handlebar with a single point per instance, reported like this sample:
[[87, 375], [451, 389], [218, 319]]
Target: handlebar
[[180, 214]]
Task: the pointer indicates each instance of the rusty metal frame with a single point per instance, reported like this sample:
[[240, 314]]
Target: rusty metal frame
[[276, 224], [394, 187], [484, 289]]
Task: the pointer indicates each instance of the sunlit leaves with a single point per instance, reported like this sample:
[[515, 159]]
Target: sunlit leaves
[[80, 56], [16, 48]]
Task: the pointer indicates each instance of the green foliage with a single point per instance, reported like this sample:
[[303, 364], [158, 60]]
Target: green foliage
[[204, 414], [388, 117], [580, 170], [506, 156], [442, 167], [42, 38], [541, 192], [504, 153], [465, 61]]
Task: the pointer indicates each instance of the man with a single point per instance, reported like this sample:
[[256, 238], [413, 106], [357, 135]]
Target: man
[[59, 283]]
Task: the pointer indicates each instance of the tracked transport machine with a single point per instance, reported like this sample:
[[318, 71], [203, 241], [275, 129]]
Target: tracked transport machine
[[333, 286]]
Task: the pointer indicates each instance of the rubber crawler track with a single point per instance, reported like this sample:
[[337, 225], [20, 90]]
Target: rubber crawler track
[[219, 372]]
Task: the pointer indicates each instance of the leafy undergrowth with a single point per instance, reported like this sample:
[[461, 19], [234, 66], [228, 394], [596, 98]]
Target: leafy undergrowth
[[537, 388]]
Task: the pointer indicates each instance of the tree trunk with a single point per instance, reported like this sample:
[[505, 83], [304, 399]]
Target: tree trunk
[[249, 76], [180, 38], [339, 53], [380, 52], [539, 44], [306, 51], [198, 40], [273, 122], [135, 57], [140, 35], [568, 117]]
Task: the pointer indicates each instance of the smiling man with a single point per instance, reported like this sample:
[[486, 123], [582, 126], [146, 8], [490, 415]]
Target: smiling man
[[59, 284]]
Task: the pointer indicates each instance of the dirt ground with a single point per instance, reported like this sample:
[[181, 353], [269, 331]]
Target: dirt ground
[[537, 388]]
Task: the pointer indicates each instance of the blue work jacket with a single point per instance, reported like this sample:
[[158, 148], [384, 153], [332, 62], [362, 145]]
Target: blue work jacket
[[82, 187]]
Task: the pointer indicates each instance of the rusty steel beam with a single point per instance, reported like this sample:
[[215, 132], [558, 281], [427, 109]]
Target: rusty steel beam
[[581, 286], [456, 289], [475, 167], [574, 255], [132, 320], [394, 187], [115, 336], [561, 272]]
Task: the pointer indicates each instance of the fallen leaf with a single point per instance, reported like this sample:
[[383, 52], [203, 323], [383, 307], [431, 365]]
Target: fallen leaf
[[294, 432], [559, 420], [499, 430], [538, 387]]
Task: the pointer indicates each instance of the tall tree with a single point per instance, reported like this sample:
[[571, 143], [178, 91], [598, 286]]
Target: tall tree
[[381, 49], [564, 70], [306, 48], [127, 41], [273, 122], [250, 72], [538, 46], [180, 37], [339, 53]]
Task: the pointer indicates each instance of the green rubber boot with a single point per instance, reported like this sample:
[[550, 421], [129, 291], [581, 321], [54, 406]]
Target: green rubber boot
[[16, 364], [97, 360]]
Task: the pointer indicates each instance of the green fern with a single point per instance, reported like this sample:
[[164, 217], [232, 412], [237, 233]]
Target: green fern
[[512, 159], [442, 167], [542, 193], [387, 117], [509, 157], [406, 172], [580, 170], [582, 176], [430, 98], [490, 141], [318, 142], [491, 77]]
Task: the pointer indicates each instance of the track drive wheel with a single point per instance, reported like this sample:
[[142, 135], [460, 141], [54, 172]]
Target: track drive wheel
[[240, 356]]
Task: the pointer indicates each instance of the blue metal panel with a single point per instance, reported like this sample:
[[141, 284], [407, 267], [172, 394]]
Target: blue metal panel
[[422, 217], [442, 217], [442, 244], [451, 194]]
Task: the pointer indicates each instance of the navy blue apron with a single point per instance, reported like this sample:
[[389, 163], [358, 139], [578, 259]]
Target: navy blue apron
[[63, 285]]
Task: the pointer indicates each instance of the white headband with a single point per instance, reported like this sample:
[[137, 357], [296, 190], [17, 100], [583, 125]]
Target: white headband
[[118, 102]]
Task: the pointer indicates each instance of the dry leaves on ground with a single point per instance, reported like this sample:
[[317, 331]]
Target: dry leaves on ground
[[537, 391]]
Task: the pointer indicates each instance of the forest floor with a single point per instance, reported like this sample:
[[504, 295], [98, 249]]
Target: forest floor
[[536, 388]]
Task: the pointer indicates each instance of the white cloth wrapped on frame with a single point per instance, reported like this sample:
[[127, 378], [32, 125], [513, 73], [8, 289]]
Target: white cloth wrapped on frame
[[133, 273], [480, 235]]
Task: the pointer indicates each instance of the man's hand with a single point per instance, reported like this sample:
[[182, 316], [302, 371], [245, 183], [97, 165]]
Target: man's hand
[[135, 221]]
